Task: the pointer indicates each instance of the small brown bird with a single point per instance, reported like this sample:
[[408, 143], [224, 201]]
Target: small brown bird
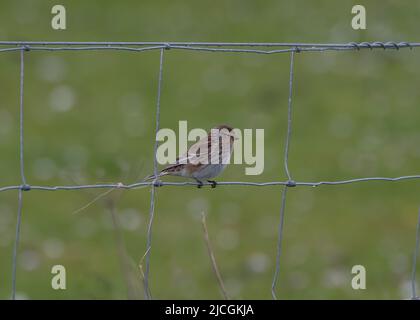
[[205, 159]]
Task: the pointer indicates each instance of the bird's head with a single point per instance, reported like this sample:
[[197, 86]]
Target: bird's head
[[225, 130]]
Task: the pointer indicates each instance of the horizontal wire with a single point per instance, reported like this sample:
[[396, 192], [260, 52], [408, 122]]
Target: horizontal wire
[[191, 183], [374, 44], [175, 47], [231, 47], [85, 48]]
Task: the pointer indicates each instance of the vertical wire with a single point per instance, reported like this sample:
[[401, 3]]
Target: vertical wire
[[289, 115], [416, 251], [22, 77], [22, 173], [147, 292], [279, 244], [290, 181], [15, 248]]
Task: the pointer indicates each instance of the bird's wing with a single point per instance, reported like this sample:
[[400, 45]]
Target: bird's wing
[[197, 153], [204, 152]]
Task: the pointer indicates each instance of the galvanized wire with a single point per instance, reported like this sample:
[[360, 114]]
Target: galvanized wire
[[279, 243], [16, 244], [290, 182], [158, 183], [21, 94], [232, 47], [253, 48], [416, 252], [289, 117], [147, 292], [362, 45], [22, 173]]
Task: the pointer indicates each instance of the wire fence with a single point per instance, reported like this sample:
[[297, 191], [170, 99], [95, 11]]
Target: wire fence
[[24, 47]]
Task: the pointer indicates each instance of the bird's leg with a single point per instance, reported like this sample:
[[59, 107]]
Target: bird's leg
[[200, 183], [213, 183]]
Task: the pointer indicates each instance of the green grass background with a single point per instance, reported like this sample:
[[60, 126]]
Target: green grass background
[[90, 119]]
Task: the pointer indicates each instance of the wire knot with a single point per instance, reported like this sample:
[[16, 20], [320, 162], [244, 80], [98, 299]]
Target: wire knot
[[405, 44], [354, 45], [291, 183], [25, 187], [393, 44], [380, 44], [157, 183], [26, 48], [168, 46], [366, 44]]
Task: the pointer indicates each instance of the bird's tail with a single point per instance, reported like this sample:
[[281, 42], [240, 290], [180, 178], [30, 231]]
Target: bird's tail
[[153, 177], [173, 170]]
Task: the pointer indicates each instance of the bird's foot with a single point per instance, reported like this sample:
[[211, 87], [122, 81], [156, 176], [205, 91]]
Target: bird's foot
[[213, 183]]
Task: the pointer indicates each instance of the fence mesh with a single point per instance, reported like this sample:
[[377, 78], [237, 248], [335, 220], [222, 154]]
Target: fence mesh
[[235, 48]]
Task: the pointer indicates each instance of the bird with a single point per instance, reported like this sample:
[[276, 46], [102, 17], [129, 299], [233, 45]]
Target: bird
[[204, 160]]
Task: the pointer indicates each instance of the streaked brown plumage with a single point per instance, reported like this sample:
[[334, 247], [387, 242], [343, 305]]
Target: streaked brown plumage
[[203, 160]]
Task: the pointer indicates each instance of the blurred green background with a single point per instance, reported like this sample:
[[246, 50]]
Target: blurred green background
[[90, 118]]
